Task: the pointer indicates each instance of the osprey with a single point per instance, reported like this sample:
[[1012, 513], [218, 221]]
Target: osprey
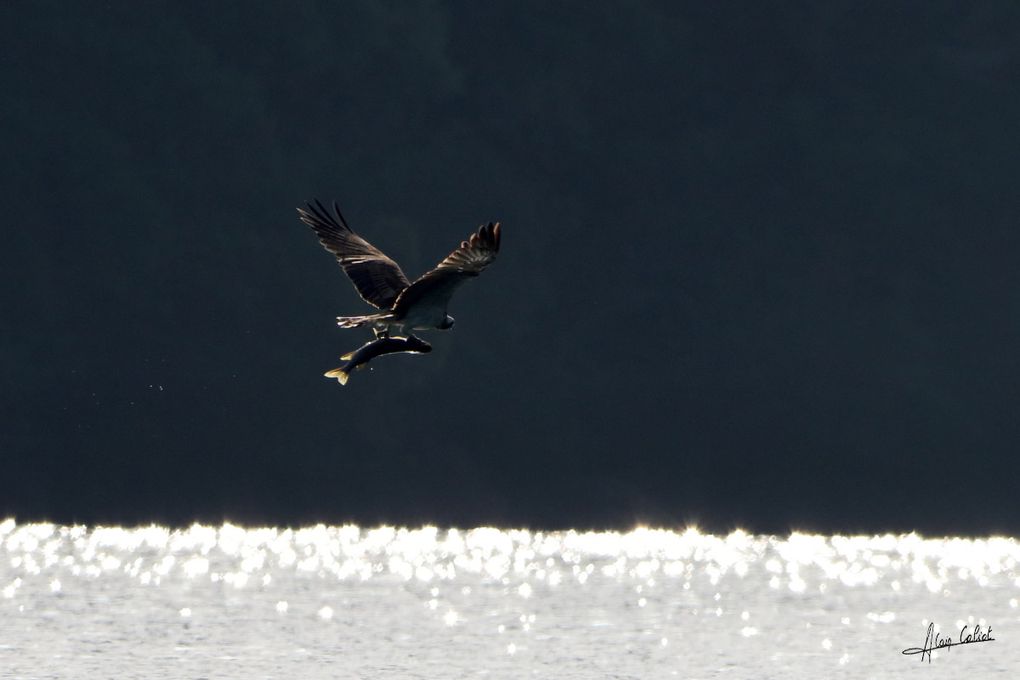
[[404, 306]]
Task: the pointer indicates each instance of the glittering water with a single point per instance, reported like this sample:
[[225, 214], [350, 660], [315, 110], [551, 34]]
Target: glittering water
[[78, 602]]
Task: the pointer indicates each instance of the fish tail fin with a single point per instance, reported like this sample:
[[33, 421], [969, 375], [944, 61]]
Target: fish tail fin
[[358, 321], [340, 374]]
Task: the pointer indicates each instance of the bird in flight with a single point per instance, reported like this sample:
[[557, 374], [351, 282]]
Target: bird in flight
[[404, 306]]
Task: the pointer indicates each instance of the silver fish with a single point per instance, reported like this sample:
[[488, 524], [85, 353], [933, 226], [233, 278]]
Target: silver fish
[[370, 350]]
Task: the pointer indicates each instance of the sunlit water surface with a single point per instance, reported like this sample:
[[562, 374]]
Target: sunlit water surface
[[326, 602]]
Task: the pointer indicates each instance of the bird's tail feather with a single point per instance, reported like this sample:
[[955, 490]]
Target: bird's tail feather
[[358, 321]]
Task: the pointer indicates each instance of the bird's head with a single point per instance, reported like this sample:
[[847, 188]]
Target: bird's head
[[447, 323]]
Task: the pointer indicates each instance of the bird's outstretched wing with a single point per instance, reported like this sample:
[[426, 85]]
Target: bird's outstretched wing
[[378, 279], [467, 261]]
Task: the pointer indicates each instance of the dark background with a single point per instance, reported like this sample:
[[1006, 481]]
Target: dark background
[[759, 264]]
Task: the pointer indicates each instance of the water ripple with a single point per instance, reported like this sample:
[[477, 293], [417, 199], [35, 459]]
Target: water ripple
[[644, 598]]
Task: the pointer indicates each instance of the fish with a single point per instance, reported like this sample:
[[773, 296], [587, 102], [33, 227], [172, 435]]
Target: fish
[[375, 348]]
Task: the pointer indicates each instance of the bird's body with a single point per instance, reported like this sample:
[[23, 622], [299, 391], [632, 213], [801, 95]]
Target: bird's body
[[404, 306], [418, 318]]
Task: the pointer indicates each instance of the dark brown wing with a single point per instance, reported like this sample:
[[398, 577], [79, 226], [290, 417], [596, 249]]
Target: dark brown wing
[[378, 279], [468, 261]]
